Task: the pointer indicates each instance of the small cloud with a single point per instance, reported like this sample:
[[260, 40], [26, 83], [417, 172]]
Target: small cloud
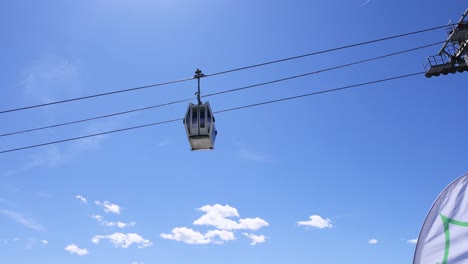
[[74, 249], [44, 242], [99, 218], [186, 235], [118, 224], [123, 225], [81, 198], [27, 222], [124, 240], [189, 236], [373, 241], [217, 216], [256, 239], [413, 241], [316, 221], [108, 207]]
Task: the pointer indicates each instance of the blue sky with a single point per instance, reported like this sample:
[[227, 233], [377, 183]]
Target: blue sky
[[344, 177]]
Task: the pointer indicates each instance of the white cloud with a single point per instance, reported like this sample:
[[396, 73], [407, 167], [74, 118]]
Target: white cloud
[[186, 235], [81, 198], [316, 221], [74, 249], [109, 207], [223, 235], [190, 236], [99, 218], [27, 222], [256, 239], [124, 240], [118, 224], [44, 242], [373, 241], [252, 223], [216, 215], [413, 241]]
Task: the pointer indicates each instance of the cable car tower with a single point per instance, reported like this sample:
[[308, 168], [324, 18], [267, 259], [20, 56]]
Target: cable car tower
[[199, 122], [453, 56]]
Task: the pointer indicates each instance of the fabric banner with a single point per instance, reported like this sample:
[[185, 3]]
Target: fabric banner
[[444, 235]]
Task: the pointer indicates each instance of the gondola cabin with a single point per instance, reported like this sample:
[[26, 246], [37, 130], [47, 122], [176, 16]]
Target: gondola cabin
[[199, 124]]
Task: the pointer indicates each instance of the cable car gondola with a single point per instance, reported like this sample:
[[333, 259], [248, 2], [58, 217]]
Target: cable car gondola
[[199, 122]]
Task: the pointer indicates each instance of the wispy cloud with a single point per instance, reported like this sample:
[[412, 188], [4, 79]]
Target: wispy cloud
[[123, 240], [50, 156], [108, 207], [30, 243], [74, 249], [316, 221], [373, 241], [246, 153], [256, 239], [45, 78], [43, 81], [81, 198], [118, 224], [44, 242], [412, 241], [56, 155], [215, 216], [365, 3], [27, 222]]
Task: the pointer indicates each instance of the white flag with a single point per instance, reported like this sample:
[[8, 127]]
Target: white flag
[[444, 234]]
